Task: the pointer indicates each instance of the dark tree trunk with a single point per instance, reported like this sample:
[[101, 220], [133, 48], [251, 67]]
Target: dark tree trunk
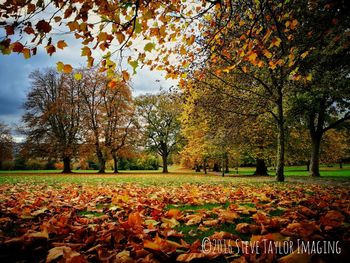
[[216, 167], [205, 166], [165, 163], [308, 165], [115, 160], [341, 165], [227, 170], [0, 165], [223, 166], [102, 162], [315, 155], [280, 142], [261, 168], [197, 168], [66, 165], [102, 169]]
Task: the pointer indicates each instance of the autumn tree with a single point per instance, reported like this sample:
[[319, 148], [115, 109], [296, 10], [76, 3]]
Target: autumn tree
[[159, 121], [335, 147], [118, 108], [52, 115], [6, 144], [220, 114], [323, 102], [107, 113]]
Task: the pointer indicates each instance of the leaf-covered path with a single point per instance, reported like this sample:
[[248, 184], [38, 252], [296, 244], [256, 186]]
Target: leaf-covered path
[[96, 218]]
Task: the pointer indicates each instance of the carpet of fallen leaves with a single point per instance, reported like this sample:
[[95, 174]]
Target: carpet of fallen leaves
[[69, 222]]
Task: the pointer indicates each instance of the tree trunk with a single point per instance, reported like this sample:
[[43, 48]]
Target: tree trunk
[[315, 155], [165, 163], [102, 162], [223, 167], [280, 143], [261, 168], [227, 170], [115, 160], [308, 165], [197, 168], [216, 167], [205, 166], [341, 165], [66, 165]]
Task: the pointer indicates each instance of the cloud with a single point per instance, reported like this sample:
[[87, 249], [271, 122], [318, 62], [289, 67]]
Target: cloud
[[14, 82]]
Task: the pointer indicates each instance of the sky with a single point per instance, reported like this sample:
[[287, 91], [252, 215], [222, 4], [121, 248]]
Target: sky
[[14, 82]]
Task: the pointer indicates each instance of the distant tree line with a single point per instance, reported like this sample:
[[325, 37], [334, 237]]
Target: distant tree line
[[95, 116]]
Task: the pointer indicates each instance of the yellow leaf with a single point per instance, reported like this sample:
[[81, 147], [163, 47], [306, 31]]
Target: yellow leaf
[[59, 66], [304, 54], [67, 68], [276, 42], [183, 50], [252, 56], [309, 77], [287, 24], [149, 46], [78, 76], [61, 44]]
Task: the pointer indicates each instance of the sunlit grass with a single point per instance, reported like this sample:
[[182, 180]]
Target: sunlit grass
[[175, 177]]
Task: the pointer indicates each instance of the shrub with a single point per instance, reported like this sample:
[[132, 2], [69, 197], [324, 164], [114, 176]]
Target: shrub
[[7, 165]]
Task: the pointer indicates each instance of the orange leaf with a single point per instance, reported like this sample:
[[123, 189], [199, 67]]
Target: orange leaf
[[61, 44], [134, 219], [126, 75], [174, 213], [112, 84], [151, 245], [67, 68], [26, 53]]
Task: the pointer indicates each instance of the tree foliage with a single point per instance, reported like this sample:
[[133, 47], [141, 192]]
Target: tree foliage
[[53, 115], [159, 121], [6, 144]]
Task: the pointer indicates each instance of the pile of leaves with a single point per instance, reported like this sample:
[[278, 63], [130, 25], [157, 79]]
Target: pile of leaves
[[70, 222]]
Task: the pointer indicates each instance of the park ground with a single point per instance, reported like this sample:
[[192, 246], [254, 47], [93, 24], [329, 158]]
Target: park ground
[[151, 217]]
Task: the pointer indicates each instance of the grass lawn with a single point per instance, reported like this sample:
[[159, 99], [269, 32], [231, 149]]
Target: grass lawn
[[165, 217]]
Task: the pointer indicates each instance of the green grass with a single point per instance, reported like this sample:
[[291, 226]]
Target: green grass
[[175, 177], [300, 170]]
